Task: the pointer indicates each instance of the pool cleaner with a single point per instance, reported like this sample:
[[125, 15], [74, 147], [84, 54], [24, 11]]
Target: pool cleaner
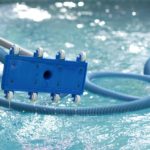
[[34, 74], [132, 103]]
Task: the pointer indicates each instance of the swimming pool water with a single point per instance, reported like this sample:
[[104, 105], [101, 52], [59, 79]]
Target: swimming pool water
[[116, 37]]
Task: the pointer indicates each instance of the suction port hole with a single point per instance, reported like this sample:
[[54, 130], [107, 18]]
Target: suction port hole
[[47, 74]]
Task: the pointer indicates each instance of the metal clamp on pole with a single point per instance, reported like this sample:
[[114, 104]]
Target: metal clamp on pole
[[7, 44]]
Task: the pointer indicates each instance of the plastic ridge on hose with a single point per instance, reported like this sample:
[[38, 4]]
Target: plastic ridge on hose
[[90, 86]]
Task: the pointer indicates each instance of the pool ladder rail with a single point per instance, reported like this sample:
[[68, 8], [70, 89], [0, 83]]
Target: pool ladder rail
[[34, 74]]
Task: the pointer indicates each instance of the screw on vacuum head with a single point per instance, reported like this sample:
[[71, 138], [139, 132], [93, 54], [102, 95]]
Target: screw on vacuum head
[[60, 55], [55, 98], [33, 96], [81, 57], [14, 50], [39, 52], [9, 95], [76, 98]]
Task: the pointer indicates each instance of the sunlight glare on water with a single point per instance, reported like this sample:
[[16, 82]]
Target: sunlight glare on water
[[116, 37]]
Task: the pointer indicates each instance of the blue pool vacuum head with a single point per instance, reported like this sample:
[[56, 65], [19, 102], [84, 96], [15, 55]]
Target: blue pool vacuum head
[[37, 74]]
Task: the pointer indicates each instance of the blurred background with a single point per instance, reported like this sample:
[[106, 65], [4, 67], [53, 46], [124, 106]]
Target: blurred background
[[115, 34]]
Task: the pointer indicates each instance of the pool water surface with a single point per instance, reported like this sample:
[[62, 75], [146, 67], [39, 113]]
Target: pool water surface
[[116, 37]]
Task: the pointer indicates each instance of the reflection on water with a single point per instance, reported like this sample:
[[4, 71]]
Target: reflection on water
[[36, 14], [115, 36]]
